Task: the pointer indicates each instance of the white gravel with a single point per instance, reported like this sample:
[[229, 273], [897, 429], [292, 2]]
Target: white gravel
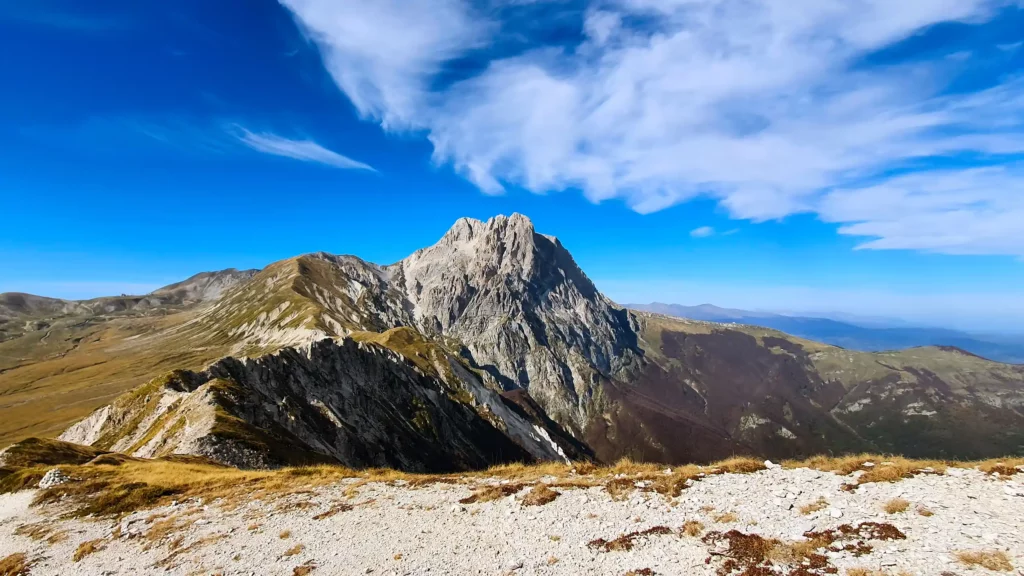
[[398, 530]]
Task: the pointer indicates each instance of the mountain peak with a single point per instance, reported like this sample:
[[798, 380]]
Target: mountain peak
[[468, 229]]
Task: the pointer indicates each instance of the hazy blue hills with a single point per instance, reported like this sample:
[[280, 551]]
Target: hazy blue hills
[[1008, 349]]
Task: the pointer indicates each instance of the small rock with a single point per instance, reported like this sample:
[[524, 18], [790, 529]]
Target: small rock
[[770, 465], [835, 513]]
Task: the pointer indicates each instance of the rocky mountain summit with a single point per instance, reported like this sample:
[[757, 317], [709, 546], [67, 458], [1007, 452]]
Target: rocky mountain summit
[[493, 346]]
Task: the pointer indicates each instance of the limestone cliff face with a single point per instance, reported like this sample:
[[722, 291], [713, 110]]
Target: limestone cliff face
[[357, 403], [522, 308]]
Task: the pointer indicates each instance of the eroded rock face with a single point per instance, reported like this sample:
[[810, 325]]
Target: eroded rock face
[[359, 404], [522, 307]]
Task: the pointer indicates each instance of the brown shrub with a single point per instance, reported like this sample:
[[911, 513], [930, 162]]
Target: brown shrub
[[285, 534]]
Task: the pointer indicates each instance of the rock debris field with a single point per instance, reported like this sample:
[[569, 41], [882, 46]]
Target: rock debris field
[[796, 522]]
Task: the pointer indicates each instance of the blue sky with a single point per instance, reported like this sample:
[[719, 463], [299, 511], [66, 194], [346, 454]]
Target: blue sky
[[860, 156]]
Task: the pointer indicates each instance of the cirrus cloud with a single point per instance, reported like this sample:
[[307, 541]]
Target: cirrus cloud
[[305, 150]]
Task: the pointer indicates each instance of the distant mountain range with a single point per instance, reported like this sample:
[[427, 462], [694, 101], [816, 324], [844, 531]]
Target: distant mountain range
[[491, 346], [851, 335]]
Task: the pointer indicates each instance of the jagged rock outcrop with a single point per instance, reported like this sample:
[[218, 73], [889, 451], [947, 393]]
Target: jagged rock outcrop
[[357, 403], [523, 309]]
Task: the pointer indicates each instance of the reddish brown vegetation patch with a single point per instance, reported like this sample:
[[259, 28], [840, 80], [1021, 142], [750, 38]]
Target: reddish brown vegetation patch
[[754, 555], [332, 511], [625, 542]]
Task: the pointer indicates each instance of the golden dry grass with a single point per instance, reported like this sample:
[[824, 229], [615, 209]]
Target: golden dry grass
[[539, 495], [692, 528], [42, 531], [864, 572], [991, 559], [285, 534], [303, 570], [86, 548], [726, 518], [178, 550], [924, 511], [106, 487], [294, 550], [817, 505], [896, 506], [80, 368], [16, 564]]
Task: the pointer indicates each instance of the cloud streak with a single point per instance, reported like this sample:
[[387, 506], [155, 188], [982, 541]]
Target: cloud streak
[[305, 150], [702, 232], [768, 106]]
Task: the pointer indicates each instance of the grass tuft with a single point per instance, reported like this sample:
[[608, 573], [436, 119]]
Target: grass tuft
[[817, 505], [692, 528], [726, 518], [294, 550], [16, 564], [996, 560], [86, 548], [896, 506], [539, 495]]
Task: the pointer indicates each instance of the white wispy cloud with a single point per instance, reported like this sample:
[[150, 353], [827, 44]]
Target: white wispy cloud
[[761, 104], [305, 150], [702, 232]]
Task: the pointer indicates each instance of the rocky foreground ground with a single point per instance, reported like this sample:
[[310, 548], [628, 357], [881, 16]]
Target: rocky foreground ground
[[796, 522]]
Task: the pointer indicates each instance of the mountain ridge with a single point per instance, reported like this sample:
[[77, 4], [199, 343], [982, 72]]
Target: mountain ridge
[[503, 319], [849, 334]]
